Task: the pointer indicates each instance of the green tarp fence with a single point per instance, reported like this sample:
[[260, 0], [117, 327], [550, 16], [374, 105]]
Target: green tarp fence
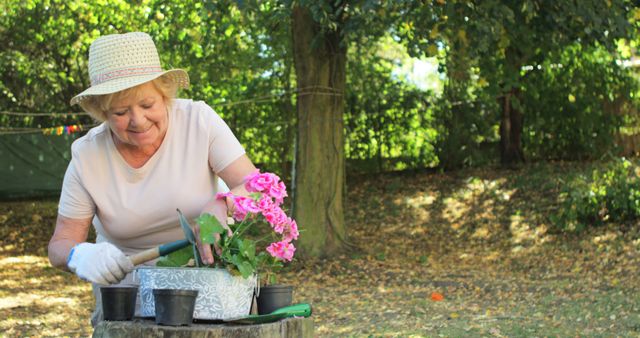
[[33, 165]]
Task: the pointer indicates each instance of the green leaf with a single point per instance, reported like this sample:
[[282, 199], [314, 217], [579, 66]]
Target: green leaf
[[272, 279], [244, 266], [176, 258], [248, 249], [209, 226]]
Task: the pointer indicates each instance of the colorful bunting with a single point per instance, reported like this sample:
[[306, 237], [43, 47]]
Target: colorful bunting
[[74, 128]]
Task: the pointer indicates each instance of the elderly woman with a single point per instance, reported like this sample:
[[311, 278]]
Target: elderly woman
[[153, 153]]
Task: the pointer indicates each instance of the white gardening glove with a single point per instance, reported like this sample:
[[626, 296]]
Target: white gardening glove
[[100, 263]]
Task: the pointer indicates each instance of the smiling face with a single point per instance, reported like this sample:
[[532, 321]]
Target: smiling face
[[138, 118]]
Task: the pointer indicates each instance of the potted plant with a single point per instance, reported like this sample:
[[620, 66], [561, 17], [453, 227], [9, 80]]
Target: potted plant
[[262, 209], [260, 243]]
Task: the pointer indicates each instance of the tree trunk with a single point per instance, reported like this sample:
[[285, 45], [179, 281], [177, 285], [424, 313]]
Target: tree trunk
[[511, 152], [319, 171], [288, 112]]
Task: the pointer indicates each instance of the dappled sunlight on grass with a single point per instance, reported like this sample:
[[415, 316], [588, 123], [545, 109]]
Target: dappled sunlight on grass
[[38, 300], [419, 204], [482, 232], [604, 238], [35, 261], [454, 211], [421, 199]]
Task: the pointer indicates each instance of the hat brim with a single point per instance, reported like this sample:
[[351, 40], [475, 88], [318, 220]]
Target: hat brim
[[180, 77]]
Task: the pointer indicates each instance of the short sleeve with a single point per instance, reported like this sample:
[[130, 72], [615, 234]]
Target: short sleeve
[[75, 201], [224, 147]]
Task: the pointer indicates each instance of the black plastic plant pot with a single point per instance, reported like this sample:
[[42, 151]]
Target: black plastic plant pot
[[118, 302], [273, 297], [174, 307]]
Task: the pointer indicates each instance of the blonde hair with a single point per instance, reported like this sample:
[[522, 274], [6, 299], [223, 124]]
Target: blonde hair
[[98, 105]]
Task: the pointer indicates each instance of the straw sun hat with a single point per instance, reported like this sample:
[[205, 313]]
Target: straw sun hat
[[122, 61]]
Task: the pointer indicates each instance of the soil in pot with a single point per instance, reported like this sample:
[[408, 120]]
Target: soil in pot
[[174, 307], [273, 297], [118, 302]]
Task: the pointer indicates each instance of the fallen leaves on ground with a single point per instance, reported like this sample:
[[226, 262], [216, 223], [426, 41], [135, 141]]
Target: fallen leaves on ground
[[481, 239]]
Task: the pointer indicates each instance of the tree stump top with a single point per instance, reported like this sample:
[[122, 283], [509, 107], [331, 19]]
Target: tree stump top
[[290, 327]]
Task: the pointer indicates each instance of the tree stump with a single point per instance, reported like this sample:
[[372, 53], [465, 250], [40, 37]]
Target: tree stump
[[290, 327]]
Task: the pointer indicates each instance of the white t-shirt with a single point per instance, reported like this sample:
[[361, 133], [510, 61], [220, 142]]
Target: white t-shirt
[[135, 209]]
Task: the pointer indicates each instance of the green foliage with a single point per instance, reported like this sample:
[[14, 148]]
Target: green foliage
[[387, 121], [609, 195], [500, 38], [238, 55], [466, 136], [209, 227], [570, 100], [177, 258], [236, 62], [239, 253]]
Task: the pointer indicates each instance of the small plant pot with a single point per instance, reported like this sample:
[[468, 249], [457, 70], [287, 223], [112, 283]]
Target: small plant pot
[[273, 297], [118, 303], [174, 307]]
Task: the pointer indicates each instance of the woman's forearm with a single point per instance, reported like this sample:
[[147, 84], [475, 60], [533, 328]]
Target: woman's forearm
[[59, 252], [68, 233]]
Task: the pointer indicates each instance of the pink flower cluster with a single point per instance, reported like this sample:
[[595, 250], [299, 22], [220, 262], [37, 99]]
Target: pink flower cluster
[[282, 250], [267, 194]]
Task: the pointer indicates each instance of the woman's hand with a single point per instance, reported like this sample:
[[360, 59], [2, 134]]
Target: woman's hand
[[231, 176], [218, 209], [100, 263]]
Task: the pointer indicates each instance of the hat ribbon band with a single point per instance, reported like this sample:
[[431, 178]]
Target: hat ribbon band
[[125, 72]]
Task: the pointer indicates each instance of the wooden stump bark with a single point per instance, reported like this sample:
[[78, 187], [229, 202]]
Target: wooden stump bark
[[290, 327]]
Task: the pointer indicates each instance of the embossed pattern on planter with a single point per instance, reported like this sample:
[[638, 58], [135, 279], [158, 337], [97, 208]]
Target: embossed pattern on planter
[[220, 296]]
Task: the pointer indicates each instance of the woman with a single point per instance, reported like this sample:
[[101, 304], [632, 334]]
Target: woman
[[151, 155]]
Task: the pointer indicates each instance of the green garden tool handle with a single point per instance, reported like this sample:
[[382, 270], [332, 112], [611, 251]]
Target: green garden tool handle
[[296, 310]]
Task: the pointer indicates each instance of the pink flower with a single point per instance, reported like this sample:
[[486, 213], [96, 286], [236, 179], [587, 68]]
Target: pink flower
[[251, 177], [265, 203], [291, 233], [247, 204], [282, 250], [278, 192], [276, 217], [260, 182], [243, 206], [239, 212], [267, 193]]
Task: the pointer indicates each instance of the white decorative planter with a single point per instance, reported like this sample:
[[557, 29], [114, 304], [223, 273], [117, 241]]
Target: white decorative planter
[[220, 295]]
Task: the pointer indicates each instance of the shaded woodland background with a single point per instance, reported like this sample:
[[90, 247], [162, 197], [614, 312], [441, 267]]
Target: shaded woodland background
[[343, 85], [484, 150]]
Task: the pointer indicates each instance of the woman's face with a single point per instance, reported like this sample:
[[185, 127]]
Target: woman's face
[[140, 118]]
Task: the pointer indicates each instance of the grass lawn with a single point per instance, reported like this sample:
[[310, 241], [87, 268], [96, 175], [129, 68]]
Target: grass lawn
[[481, 238]]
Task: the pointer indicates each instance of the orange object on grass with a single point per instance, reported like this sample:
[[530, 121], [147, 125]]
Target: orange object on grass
[[436, 296]]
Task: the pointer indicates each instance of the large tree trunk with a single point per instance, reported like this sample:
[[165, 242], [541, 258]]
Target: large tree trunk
[[319, 170]]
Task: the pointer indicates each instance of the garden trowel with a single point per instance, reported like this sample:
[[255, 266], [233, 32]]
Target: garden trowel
[[188, 234], [296, 310], [165, 249]]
